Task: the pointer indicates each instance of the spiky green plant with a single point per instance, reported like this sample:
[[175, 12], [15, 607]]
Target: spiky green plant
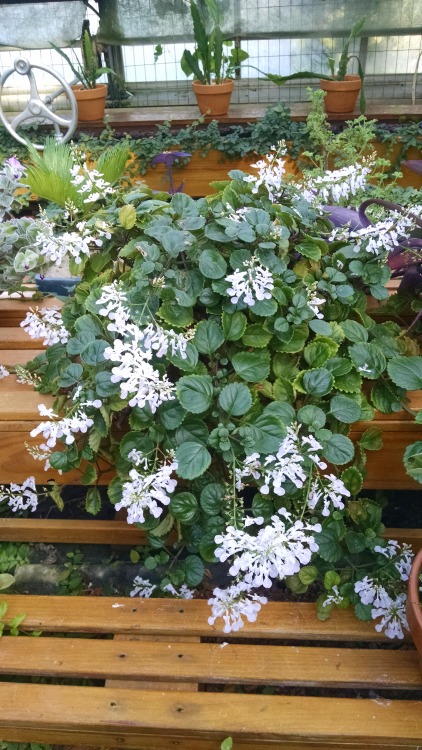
[[88, 71]]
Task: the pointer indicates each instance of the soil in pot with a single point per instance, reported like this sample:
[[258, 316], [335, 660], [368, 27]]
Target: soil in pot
[[213, 99], [91, 102], [341, 96]]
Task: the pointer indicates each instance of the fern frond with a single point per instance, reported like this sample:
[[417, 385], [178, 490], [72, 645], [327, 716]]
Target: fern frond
[[112, 161]]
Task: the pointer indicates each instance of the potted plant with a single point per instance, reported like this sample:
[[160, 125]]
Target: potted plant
[[217, 353], [212, 69], [341, 89], [90, 95], [414, 604]]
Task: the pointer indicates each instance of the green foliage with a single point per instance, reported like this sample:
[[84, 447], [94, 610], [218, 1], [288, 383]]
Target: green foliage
[[88, 72]]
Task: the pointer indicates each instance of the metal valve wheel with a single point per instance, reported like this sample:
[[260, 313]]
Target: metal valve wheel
[[37, 108]]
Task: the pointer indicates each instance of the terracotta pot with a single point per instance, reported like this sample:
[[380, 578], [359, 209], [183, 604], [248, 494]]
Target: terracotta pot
[[91, 102], [341, 96], [414, 607], [213, 99]]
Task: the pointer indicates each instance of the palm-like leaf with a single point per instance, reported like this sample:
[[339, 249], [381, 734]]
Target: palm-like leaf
[[112, 162], [48, 174]]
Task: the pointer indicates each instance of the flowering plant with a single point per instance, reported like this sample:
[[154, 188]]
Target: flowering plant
[[216, 353]]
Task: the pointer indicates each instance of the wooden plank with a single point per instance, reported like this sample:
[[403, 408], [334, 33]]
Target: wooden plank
[[139, 682], [12, 357], [413, 537], [125, 717], [86, 614], [189, 662], [16, 338], [13, 311], [69, 531]]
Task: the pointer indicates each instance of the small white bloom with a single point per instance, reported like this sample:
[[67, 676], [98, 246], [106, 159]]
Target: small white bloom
[[4, 372], [147, 492], [233, 604], [142, 587], [253, 284], [20, 496], [47, 324]]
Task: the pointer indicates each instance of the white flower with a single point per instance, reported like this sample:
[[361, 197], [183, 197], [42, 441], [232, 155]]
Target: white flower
[[4, 372], [20, 497], [251, 467], [334, 597], [233, 604], [64, 428], [138, 458], [276, 551], [271, 171], [315, 302], [113, 302], [253, 284], [184, 592], [330, 490], [147, 492], [90, 181], [336, 185], [393, 617], [142, 587], [402, 556], [47, 324], [138, 379], [371, 592], [381, 237], [285, 465]]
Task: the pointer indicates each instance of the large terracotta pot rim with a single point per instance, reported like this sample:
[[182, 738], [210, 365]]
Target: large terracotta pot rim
[[351, 82], [228, 85], [413, 598]]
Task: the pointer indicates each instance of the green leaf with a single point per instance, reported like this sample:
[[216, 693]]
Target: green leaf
[[345, 409], [317, 353], [194, 570], [413, 460], [354, 331], [339, 449], [90, 475], [60, 461], [77, 343], [103, 385], [208, 336], [312, 416], [355, 542], [368, 360], [309, 250], [371, 439], [212, 498], [256, 336], [252, 366], [171, 414], [308, 574], [93, 354], [195, 393], [386, 397], [234, 325], [329, 547], [212, 264], [235, 399], [406, 372], [352, 479], [6, 581], [137, 441], [176, 315], [264, 435], [173, 242], [283, 390], [331, 578], [184, 507], [193, 459], [318, 382], [363, 611], [227, 744], [93, 501], [71, 375], [192, 430]]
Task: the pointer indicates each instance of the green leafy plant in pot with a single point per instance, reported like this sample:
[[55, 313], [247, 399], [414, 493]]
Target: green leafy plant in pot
[[341, 89], [211, 68], [90, 94]]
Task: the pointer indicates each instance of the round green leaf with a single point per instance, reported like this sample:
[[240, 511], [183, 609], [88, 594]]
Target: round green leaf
[[317, 353], [413, 460], [212, 264], [369, 360], [339, 449], [208, 336], [354, 331], [252, 366], [406, 372], [93, 354], [135, 441], [256, 336], [312, 416], [71, 375], [195, 393], [192, 430], [345, 409], [352, 479], [235, 399], [318, 382], [193, 459], [212, 498], [171, 414], [194, 570], [184, 507]]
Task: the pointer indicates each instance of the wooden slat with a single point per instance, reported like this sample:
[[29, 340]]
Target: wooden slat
[[210, 663], [101, 615], [13, 311], [12, 357], [69, 531], [123, 718], [16, 338]]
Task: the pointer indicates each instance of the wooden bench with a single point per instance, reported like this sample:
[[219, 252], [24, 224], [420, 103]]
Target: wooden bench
[[19, 415], [170, 681]]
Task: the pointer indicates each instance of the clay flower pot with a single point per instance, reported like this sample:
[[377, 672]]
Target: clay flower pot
[[341, 96], [414, 607], [213, 99], [91, 102]]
